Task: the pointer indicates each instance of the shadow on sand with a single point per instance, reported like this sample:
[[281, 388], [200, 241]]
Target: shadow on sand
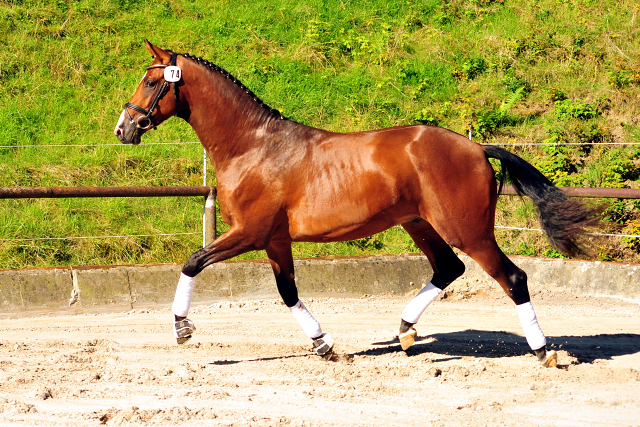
[[492, 344], [256, 359]]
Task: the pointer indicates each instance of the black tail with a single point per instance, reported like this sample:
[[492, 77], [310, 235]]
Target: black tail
[[562, 219]]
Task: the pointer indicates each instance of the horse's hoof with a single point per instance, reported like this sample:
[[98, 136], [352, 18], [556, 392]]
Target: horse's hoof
[[183, 330], [551, 359], [183, 339], [407, 338], [323, 344]]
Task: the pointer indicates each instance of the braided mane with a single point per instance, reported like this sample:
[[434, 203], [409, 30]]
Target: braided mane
[[216, 68]]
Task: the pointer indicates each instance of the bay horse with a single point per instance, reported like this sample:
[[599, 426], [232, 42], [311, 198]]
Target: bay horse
[[281, 182]]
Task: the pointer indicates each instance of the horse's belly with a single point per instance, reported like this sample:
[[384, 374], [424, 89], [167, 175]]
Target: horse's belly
[[338, 234], [349, 221]]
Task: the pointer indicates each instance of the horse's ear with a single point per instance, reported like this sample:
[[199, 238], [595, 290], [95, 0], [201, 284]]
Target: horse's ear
[[156, 52]]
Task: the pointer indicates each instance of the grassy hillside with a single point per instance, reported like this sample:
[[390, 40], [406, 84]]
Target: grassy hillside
[[531, 71]]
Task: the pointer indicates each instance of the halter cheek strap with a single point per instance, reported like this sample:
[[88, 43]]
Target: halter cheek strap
[[148, 112]]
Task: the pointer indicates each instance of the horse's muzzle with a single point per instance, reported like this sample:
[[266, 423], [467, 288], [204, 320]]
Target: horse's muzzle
[[133, 138], [127, 133]]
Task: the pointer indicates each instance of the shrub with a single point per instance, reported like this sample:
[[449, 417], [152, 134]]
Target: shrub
[[534, 46], [556, 94], [579, 110], [590, 132], [513, 82], [623, 78], [489, 121], [633, 229], [371, 242], [555, 165], [470, 69], [426, 117]]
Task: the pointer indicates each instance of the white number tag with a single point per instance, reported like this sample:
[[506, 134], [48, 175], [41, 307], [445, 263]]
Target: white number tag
[[172, 74]]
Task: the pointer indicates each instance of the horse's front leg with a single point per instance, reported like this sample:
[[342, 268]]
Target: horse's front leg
[[234, 242], [281, 261]]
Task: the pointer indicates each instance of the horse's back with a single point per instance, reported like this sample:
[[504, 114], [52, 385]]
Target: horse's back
[[434, 156]]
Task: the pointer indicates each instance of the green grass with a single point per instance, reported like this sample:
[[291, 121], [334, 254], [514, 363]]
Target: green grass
[[513, 71]]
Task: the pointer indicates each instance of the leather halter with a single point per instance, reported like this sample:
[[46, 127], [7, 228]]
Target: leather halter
[[146, 114]]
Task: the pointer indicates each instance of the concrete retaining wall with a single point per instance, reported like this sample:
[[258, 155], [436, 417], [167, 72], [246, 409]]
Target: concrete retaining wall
[[126, 287], [586, 277]]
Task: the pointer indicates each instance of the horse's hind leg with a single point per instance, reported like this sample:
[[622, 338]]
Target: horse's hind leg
[[514, 282], [281, 260], [446, 268]]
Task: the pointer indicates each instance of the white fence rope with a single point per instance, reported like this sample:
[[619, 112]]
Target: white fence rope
[[188, 234], [97, 237], [588, 234], [96, 145], [542, 231], [507, 144]]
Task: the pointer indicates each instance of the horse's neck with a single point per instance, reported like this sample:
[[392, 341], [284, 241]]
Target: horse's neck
[[236, 131], [228, 122]]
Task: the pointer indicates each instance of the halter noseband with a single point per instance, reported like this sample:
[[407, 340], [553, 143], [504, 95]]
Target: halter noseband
[[147, 120]]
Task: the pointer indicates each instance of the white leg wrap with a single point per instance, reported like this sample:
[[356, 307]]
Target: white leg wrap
[[419, 303], [533, 333], [182, 300], [309, 325]]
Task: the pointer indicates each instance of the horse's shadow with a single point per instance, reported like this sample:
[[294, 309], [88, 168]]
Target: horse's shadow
[[256, 359], [490, 344]]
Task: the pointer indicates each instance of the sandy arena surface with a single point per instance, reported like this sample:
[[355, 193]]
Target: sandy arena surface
[[249, 364]]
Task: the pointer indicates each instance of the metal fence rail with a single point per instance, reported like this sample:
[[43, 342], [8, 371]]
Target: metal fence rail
[[596, 193], [64, 192]]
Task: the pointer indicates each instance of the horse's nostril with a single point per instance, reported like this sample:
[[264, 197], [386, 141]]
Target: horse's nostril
[[117, 131]]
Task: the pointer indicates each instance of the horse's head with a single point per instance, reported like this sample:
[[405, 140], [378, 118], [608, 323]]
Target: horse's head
[[149, 106]]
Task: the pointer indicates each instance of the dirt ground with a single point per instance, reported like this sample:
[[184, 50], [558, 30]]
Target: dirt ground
[[249, 364]]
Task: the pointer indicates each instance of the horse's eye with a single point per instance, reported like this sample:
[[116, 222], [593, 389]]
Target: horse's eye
[[150, 83]]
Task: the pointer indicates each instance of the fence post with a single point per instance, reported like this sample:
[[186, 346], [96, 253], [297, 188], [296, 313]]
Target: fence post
[[210, 218]]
